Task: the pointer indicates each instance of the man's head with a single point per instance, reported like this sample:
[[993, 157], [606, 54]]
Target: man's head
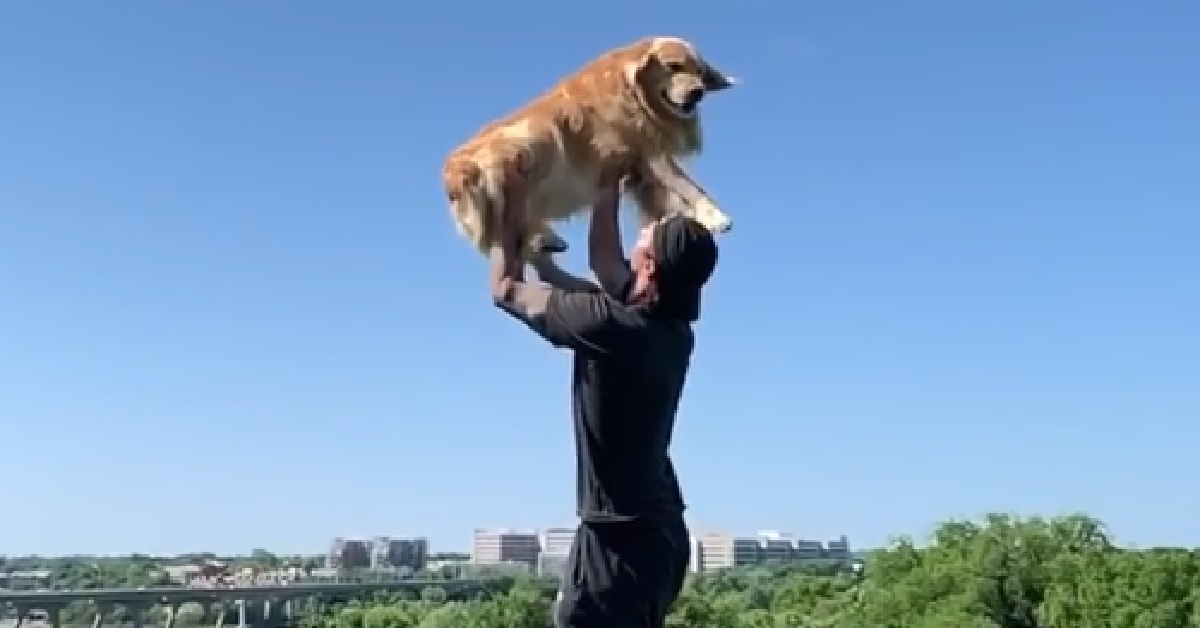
[[672, 260]]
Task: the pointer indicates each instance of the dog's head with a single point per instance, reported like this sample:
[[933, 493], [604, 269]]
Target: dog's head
[[671, 77]]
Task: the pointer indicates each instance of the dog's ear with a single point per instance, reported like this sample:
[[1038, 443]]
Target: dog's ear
[[637, 72], [715, 80]]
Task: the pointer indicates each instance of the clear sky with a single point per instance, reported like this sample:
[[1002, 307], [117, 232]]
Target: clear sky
[[234, 312]]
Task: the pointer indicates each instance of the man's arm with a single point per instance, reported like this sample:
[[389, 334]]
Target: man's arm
[[551, 273], [606, 259], [584, 321]]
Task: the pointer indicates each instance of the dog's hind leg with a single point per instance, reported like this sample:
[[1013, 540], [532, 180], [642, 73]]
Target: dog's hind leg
[[537, 237]]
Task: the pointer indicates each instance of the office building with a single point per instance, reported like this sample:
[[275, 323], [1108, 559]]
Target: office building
[[494, 547], [776, 546], [838, 549], [556, 541], [809, 550], [349, 554], [720, 550], [389, 553], [554, 546]]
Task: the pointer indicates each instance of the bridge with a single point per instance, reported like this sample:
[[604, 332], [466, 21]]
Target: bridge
[[276, 602]]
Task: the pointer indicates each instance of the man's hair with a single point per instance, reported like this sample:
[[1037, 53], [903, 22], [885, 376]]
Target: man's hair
[[685, 255]]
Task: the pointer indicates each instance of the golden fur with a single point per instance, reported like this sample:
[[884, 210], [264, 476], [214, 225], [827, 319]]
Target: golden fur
[[628, 115]]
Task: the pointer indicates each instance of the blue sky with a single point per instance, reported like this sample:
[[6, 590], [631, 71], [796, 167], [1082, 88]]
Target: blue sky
[[235, 312]]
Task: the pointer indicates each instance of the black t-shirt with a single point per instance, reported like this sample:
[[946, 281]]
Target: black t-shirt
[[628, 376]]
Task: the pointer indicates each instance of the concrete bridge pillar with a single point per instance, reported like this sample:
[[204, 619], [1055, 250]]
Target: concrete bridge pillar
[[241, 607], [277, 613], [172, 612], [221, 616], [98, 619], [137, 611], [54, 614]]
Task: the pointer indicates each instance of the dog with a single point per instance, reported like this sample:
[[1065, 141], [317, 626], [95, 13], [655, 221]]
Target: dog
[[626, 118]]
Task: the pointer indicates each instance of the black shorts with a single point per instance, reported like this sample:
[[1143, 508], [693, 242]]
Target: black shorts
[[623, 574]]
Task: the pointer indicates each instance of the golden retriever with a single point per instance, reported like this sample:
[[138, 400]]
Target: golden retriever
[[628, 116]]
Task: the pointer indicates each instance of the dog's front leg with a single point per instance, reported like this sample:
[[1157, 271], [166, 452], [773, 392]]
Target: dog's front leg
[[655, 200], [681, 193]]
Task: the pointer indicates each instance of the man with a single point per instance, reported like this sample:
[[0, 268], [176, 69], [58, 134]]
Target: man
[[632, 340]]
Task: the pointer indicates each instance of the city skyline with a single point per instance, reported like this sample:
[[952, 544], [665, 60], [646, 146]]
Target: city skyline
[[545, 551], [323, 549], [494, 552]]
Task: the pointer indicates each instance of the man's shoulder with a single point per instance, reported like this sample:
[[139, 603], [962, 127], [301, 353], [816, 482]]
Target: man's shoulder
[[592, 322], [595, 308]]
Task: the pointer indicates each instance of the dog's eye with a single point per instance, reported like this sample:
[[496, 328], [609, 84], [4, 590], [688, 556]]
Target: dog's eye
[[676, 67]]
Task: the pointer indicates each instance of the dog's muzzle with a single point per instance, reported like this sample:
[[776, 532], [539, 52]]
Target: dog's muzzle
[[692, 99]]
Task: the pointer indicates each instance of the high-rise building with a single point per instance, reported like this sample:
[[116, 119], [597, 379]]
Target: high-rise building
[[492, 547], [556, 541], [349, 554], [392, 553], [554, 550]]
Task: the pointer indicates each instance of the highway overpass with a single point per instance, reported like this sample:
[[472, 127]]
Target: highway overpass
[[276, 600]]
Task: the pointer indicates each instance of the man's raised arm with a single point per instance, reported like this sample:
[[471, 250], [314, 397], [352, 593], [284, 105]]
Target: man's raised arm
[[584, 321], [551, 273], [606, 259]]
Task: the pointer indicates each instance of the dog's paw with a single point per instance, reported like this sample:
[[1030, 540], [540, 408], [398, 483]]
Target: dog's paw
[[547, 244], [708, 214]]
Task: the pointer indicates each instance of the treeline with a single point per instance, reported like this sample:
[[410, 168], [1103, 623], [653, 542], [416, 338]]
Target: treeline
[[142, 570], [1002, 572], [137, 570], [84, 573], [257, 558]]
